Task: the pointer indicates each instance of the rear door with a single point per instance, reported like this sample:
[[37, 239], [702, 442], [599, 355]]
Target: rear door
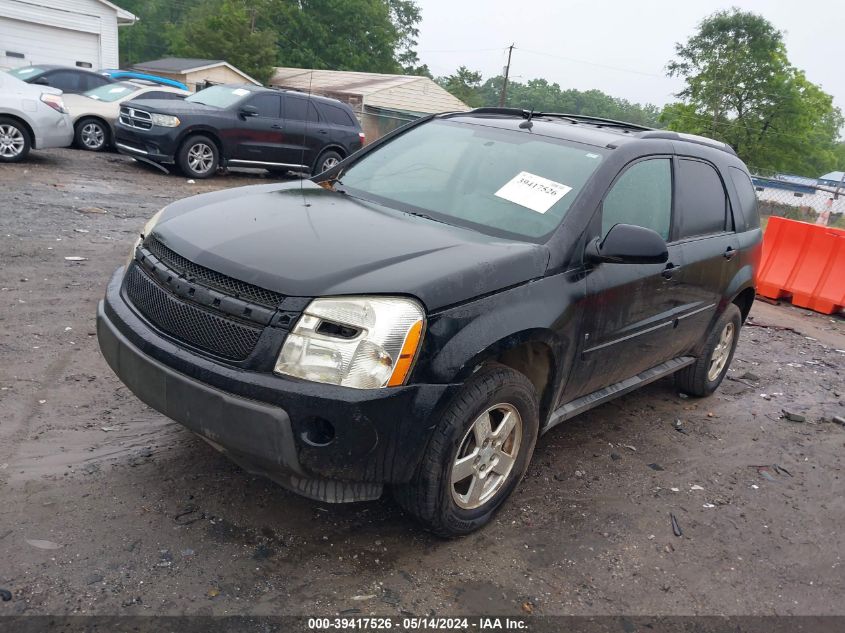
[[705, 231], [261, 138], [305, 132], [630, 308]]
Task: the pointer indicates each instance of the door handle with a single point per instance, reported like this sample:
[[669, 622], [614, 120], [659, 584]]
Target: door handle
[[729, 252], [276, 126], [670, 270], [324, 131]]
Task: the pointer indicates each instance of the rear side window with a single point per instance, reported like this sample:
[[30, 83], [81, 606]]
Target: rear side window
[[702, 204], [298, 109], [66, 80], [268, 106], [641, 196], [747, 197], [336, 115]]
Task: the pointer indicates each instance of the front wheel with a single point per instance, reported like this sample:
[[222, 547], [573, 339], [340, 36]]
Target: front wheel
[[91, 135], [477, 454], [198, 157], [705, 375]]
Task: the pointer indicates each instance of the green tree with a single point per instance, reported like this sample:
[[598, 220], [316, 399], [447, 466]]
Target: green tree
[[739, 87], [227, 29], [465, 84], [149, 38]]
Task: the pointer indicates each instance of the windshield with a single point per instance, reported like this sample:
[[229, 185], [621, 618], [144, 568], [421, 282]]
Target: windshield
[[218, 96], [112, 92], [497, 181], [26, 72]]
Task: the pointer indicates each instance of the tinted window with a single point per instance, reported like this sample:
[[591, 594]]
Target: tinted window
[[26, 73], [298, 109], [269, 106], [747, 197], [641, 196], [495, 181], [94, 81], [66, 80], [702, 204], [336, 115]]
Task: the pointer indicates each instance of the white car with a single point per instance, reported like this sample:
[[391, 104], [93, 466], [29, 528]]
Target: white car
[[94, 113], [31, 117]]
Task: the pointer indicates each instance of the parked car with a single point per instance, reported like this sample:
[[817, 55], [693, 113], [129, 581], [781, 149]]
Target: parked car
[[68, 79], [247, 126], [95, 113], [419, 314], [120, 75], [31, 117]]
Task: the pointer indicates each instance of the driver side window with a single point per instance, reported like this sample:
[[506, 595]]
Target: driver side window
[[641, 196]]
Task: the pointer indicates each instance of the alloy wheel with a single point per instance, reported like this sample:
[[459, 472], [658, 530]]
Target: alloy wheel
[[11, 141], [722, 351], [486, 456], [200, 157], [330, 162], [93, 136]]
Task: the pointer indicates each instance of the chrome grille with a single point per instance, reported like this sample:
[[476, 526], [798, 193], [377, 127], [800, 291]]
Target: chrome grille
[[132, 117]]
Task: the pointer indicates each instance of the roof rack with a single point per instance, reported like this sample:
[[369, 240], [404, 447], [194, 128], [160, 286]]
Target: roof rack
[[572, 118], [689, 138]]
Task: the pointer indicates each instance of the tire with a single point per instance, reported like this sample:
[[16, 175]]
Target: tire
[[198, 157], [705, 375], [14, 140], [450, 508], [326, 161], [92, 135]]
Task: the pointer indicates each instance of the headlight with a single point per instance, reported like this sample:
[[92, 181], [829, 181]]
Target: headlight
[[360, 342], [165, 120], [148, 228]]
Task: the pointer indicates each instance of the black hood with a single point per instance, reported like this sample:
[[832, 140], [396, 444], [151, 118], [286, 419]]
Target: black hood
[[170, 106], [303, 240]]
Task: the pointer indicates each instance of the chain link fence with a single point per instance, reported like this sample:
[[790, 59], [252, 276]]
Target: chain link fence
[[799, 198]]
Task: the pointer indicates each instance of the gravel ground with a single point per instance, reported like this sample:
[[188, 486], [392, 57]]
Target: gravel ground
[[109, 508]]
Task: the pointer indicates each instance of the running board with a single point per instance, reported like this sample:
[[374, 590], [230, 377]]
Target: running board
[[584, 403]]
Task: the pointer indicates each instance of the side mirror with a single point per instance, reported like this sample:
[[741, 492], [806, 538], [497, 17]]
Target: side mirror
[[628, 244], [249, 111], [41, 81]]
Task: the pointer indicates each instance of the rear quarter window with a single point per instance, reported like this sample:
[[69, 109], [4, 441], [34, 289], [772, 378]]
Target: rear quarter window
[[336, 115], [747, 197]]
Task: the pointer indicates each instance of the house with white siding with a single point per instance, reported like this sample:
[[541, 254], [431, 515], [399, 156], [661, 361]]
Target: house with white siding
[[79, 33]]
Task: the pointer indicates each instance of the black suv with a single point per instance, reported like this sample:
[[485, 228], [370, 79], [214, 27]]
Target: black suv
[[418, 315], [245, 126], [68, 79]]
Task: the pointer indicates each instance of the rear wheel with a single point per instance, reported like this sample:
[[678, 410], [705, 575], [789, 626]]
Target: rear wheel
[[326, 161], [92, 135], [14, 140], [198, 157], [705, 375], [477, 454]]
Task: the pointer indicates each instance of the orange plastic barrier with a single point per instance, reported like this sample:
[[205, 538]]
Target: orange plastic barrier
[[804, 262]]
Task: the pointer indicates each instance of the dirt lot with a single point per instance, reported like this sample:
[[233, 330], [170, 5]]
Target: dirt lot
[[142, 517]]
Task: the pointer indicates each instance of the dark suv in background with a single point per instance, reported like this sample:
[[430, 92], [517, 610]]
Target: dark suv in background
[[419, 314], [240, 125]]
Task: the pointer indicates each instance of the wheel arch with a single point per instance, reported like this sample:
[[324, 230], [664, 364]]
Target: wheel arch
[[332, 147], [85, 117], [211, 133], [26, 126]]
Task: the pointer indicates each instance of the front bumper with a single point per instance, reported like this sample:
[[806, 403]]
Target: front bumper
[[157, 144], [261, 420], [57, 131]]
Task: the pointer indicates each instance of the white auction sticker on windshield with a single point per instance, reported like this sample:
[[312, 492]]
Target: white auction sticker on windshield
[[240, 92], [533, 192]]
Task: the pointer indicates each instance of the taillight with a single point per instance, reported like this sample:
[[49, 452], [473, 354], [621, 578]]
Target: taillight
[[363, 137], [55, 102]]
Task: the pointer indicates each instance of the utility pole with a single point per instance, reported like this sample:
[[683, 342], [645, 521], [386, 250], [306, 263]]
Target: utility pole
[[504, 94]]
